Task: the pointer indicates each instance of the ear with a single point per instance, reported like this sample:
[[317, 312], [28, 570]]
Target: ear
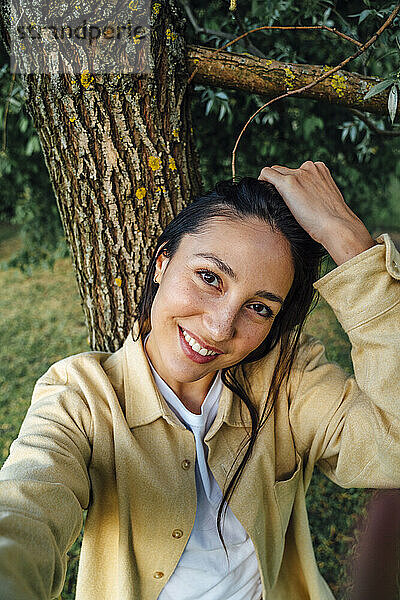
[[161, 264]]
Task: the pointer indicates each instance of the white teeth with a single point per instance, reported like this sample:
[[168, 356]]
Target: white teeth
[[196, 346]]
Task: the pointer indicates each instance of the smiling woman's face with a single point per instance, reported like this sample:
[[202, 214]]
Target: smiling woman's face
[[218, 296]]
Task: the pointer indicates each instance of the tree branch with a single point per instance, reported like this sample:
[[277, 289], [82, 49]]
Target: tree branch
[[286, 28], [198, 29], [249, 44], [6, 108], [271, 77], [330, 72], [372, 125]]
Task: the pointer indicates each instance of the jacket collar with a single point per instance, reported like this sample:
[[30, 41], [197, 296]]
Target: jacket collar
[[145, 404]]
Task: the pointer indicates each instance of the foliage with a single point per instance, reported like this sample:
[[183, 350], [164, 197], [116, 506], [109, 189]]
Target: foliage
[[26, 195], [335, 516], [295, 130]]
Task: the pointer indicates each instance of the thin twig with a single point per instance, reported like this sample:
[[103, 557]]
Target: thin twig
[[4, 144], [372, 125], [331, 29], [222, 34], [364, 47], [248, 42], [217, 32]]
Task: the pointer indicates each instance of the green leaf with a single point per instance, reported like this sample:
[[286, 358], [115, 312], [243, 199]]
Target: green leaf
[[310, 125], [23, 124], [379, 87], [209, 106], [32, 146], [362, 15], [393, 102]]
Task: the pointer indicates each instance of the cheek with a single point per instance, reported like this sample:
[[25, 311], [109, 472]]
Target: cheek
[[252, 337], [176, 297], [262, 333]]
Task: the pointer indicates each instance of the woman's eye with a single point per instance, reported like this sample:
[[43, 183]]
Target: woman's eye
[[214, 280], [262, 310], [210, 278]]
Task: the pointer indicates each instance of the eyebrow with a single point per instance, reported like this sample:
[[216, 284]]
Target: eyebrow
[[224, 268]]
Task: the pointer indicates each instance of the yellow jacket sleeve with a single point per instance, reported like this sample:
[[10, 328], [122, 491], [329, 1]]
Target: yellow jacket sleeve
[[350, 426], [44, 487]]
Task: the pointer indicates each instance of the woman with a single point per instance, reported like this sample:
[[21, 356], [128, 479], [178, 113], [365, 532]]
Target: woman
[[193, 445]]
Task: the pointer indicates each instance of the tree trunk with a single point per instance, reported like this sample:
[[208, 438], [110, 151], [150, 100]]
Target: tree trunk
[[121, 157]]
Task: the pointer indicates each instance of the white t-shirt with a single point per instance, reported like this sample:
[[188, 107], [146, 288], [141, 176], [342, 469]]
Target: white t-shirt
[[203, 571]]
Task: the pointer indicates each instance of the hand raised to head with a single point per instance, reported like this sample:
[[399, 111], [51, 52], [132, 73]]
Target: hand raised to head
[[318, 206]]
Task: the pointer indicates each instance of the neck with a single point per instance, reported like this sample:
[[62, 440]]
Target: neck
[[192, 394]]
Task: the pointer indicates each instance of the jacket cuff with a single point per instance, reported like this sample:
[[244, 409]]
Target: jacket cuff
[[364, 286]]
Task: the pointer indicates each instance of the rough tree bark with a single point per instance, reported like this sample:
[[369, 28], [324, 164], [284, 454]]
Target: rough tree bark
[[121, 156], [272, 78]]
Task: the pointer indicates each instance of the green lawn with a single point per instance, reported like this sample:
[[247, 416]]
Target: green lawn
[[42, 321]]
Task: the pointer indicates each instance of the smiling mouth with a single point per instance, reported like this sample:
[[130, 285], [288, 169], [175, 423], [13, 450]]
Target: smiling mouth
[[194, 350]]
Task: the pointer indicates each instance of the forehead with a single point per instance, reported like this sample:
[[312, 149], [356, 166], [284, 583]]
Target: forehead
[[257, 254]]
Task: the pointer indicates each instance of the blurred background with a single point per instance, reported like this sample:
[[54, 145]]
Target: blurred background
[[41, 316]]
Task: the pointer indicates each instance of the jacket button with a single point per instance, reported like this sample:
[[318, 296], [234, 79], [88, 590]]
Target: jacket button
[[177, 533], [185, 464], [158, 575]]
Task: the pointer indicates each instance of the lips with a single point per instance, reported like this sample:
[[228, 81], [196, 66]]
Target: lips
[[195, 356], [202, 344]]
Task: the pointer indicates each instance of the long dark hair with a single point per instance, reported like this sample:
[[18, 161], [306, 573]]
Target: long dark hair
[[248, 197]]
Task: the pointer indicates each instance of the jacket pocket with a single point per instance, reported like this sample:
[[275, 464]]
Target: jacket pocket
[[285, 491]]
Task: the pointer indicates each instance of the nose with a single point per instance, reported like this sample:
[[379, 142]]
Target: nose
[[220, 323]]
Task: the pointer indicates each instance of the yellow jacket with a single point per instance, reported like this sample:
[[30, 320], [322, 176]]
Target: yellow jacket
[[98, 435]]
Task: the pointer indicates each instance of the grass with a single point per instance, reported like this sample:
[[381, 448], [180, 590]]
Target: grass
[[9, 241], [42, 322]]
